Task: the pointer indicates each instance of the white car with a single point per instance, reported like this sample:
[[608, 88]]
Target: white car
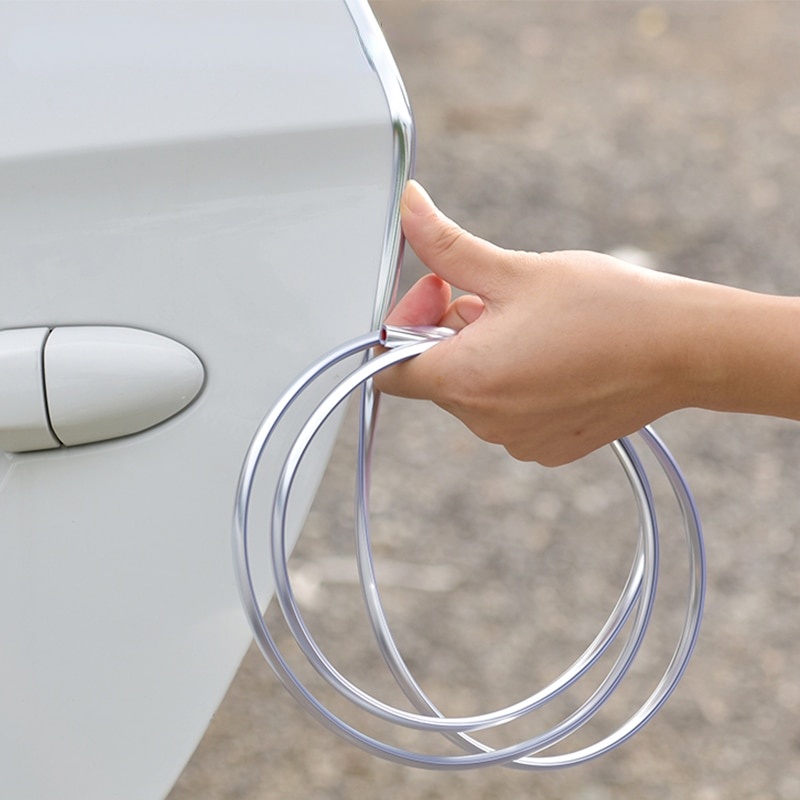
[[197, 200]]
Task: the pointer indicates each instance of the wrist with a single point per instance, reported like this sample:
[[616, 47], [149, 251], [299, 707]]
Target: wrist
[[741, 350]]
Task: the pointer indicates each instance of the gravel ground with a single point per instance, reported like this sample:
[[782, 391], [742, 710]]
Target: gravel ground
[[668, 132]]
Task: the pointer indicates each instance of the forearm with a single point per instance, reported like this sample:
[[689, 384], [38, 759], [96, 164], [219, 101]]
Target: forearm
[[745, 353]]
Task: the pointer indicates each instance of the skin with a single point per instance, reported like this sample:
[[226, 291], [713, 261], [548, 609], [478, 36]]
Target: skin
[[561, 353]]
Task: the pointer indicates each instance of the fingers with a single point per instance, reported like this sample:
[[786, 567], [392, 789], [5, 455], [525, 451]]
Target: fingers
[[461, 259], [420, 378], [461, 312], [425, 303], [456, 258]]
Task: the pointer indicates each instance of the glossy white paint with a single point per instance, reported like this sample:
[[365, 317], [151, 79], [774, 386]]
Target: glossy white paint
[[103, 382], [95, 75], [217, 173], [24, 422]]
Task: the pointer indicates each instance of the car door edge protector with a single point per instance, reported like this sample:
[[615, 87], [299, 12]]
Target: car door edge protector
[[377, 53]]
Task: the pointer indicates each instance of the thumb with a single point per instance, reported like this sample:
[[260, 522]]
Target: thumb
[[461, 259]]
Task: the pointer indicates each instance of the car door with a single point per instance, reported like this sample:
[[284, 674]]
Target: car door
[[206, 187]]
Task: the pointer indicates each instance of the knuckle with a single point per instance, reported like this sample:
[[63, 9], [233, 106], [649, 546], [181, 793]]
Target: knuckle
[[527, 453], [449, 239], [488, 433]]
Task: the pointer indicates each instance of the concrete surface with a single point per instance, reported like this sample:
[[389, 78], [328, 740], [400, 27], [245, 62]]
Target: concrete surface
[[669, 132]]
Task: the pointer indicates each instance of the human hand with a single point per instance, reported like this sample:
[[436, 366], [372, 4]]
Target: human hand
[[557, 353]]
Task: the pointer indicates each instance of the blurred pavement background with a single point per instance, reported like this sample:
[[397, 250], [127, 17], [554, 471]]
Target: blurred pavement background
[[666, 132]]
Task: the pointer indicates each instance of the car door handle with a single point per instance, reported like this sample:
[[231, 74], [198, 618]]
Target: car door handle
[[68, 386]]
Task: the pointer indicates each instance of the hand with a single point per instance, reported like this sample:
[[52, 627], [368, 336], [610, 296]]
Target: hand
[[558, 353]]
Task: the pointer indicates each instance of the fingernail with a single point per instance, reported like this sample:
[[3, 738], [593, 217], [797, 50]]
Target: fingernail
[[415, 198]]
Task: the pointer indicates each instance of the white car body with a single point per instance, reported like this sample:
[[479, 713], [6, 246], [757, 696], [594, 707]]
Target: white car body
[[225, 175]]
